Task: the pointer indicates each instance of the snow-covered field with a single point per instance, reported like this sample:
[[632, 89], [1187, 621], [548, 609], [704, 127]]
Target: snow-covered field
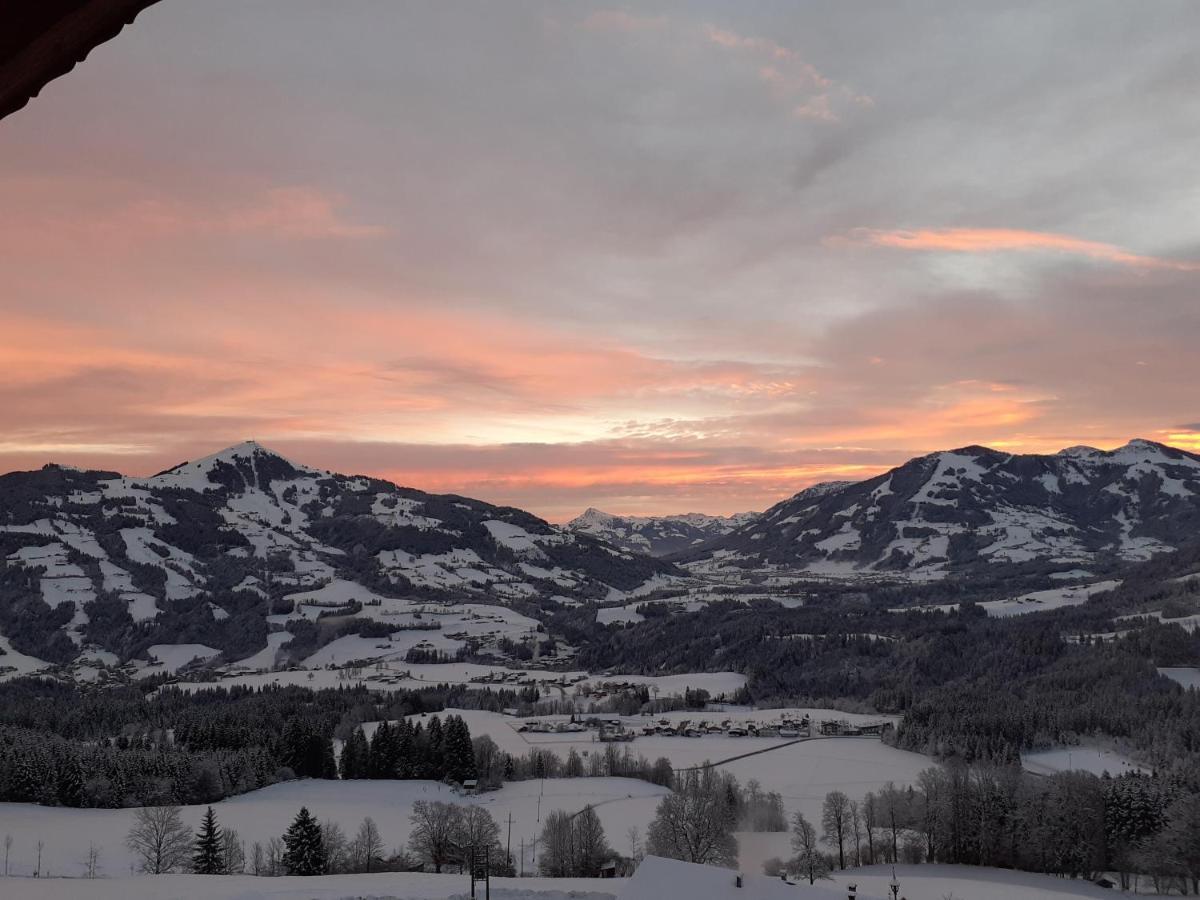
[[916, 883], [1078, 759], [266, 813], [803, 773], [1036, 601], [1188, 676], [401, 886], [682, 751], [966, 883]]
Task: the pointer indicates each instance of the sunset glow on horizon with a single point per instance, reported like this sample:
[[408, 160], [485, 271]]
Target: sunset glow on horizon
[[688, 258]]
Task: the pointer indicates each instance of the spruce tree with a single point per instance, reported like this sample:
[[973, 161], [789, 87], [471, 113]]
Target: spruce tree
[[405, 750], [435, 760], [383, 756], [459, 753], [305, 853], [208, 857], [355, 755]]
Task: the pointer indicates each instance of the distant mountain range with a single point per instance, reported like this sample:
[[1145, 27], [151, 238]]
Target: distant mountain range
[[657, 535], [974, 508], [212, 552], [198, 553]]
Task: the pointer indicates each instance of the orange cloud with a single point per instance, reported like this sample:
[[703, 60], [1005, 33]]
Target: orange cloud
[[43, 217], [992, 240]]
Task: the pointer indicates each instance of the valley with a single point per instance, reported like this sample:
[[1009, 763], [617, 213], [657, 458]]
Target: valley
[[805, 668]]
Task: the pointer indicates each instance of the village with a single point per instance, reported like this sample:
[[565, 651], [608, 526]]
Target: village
[[613, 730]]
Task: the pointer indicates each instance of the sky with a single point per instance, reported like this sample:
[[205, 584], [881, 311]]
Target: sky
[[651, 258]]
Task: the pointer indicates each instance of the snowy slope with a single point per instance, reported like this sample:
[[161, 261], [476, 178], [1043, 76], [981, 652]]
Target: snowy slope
[[219, 552], [973, 508], [657, 535]]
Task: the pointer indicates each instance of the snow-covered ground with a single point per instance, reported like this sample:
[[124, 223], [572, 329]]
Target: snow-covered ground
[[382, 886], [803, 773], [1036, 601], [1188, 676], [1078, 759], [260, 815], [916, 882], [966, 883], [175, 656], [17, 661], [1054, 598]]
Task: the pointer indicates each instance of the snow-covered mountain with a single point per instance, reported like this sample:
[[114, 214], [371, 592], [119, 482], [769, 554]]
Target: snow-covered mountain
[[657, 535], [203, 553], [964, 509]]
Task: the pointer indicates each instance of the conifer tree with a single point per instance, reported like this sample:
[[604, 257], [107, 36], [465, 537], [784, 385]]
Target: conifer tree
[[208, 857], [435, 760], [459, 754], [305, 853], [405, 750], [355, 755], [383, 753]]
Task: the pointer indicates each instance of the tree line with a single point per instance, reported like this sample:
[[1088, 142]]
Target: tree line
[[442, 835], [1072, 824]]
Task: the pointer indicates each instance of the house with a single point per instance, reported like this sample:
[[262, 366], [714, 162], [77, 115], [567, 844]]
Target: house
[[659, 879]]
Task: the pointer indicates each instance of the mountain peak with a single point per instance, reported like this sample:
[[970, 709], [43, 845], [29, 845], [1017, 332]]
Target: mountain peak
[[197, 474]]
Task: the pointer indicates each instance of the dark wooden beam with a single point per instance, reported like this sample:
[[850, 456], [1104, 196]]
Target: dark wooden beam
[[43, 39]]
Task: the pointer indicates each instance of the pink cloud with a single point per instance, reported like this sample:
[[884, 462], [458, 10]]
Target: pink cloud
[[993, 240]]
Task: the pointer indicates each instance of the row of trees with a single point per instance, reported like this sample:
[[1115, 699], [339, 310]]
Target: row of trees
[[65, 745], [443, 834], [407, 750], [1071, 824]]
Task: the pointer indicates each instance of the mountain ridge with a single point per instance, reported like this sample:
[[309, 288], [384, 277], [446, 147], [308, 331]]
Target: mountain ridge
[[658, 536], [964, 509], [207, 551]]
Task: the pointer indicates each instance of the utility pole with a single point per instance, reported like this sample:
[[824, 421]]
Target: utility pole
[[508, 841], [522, 857]]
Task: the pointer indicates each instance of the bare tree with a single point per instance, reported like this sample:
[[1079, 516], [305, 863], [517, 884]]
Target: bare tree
[[694, 823], [337, 848], [870, 814], [274, 864], [557, 839], [591, 847], [835, 823], [159, 838], [432, 837], [635, 844], [856, 829], [367, 846], [91, 863], [233, 852], [258, 862], [808, 855], [476, 831]]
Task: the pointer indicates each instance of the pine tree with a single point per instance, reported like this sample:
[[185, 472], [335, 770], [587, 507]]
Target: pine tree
[[305, 853], [459, 754], [406, 750], [70, 781], [383, 752], [208, 857], [355, 755], [435, 761]]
